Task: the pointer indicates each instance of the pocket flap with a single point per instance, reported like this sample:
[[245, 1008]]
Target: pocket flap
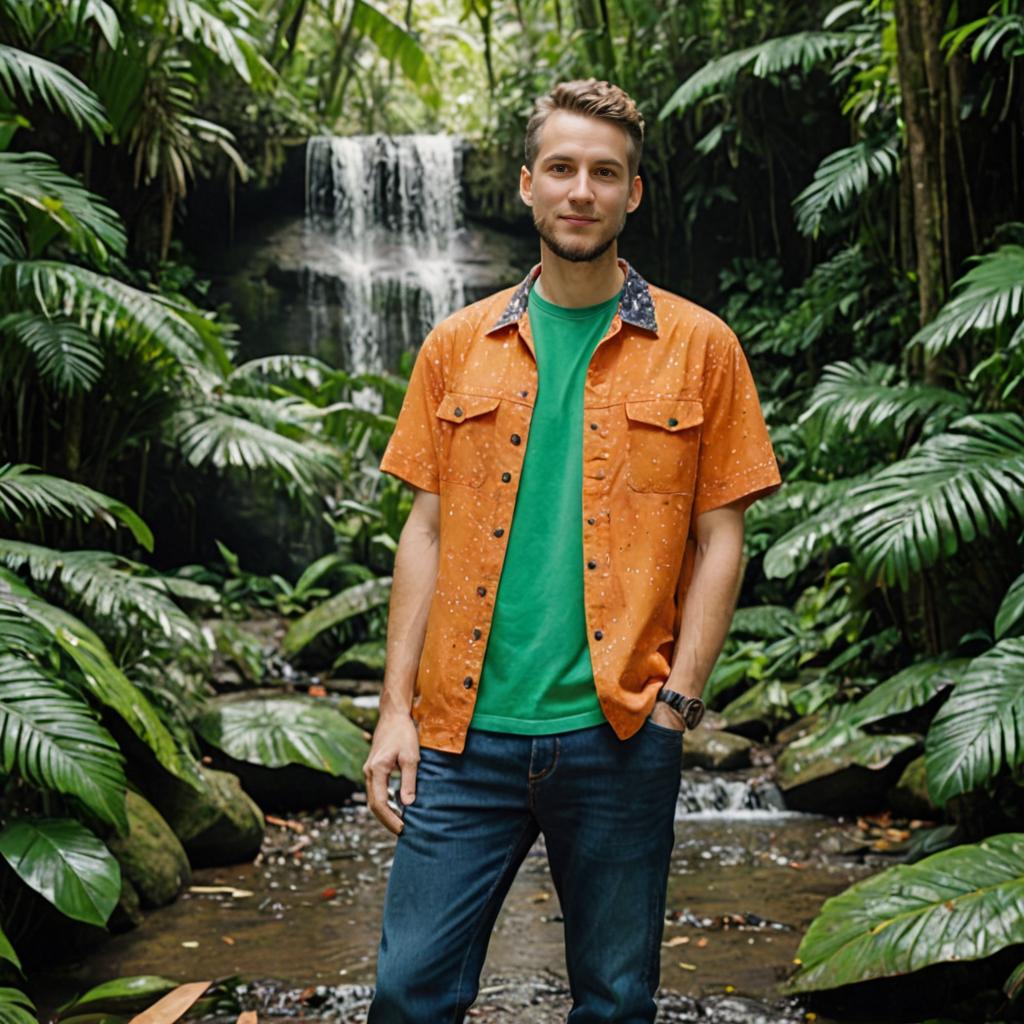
[[667, 413], [457, 408]]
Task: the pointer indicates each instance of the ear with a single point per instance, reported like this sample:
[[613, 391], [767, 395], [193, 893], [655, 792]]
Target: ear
[[636, 191], [526, 185]]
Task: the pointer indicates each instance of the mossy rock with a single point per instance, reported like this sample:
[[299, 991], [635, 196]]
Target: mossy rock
[[762, 710], [221, 824], [151, 856], [715, 749]]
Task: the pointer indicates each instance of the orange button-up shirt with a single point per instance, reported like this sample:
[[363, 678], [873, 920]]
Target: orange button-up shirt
[[672, 428]]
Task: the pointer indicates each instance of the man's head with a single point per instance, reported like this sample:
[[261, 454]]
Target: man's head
[[583, 146]]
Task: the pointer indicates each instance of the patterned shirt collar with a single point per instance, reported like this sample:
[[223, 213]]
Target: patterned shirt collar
[[636, 306]]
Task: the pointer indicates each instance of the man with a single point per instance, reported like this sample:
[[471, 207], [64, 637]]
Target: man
[[582, 449]]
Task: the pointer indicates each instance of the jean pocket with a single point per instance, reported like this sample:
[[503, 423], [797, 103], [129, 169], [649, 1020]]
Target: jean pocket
[[664, 730]]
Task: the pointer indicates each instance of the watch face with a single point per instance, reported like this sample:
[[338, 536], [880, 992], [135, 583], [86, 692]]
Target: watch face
[[694, 713]]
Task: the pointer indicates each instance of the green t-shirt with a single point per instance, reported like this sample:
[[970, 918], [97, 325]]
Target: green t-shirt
[[536, 676]]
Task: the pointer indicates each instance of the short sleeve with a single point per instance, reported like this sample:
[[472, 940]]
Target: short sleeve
[[736, 456], [412, 452]]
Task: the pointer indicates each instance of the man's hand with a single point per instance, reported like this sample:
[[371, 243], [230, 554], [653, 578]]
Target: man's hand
[[396, 743], [667, 716]]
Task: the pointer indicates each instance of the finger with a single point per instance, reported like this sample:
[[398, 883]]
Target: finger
[[409, 781], [378, 800]]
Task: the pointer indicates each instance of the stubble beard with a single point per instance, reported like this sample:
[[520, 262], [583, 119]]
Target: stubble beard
[[577, 255]]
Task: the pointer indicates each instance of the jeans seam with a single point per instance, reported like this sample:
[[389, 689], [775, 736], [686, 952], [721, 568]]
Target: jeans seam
[[483, 912]]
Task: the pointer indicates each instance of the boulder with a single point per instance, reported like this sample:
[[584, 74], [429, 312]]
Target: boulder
[[715, 749], [219, 823], [762, 710], [151, 857]]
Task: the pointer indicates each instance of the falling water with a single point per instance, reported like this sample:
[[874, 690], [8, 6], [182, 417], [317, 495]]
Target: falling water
[[390, 210]]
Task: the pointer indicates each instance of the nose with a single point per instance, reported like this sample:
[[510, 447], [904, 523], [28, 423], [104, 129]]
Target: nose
[[581, 192]]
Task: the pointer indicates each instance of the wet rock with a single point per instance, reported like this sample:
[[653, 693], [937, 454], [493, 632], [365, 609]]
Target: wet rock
[[910, 797], [128, 912], [220, 825], [715, 749], [842, 773], [363, 715], [800, 728], [151, 857]]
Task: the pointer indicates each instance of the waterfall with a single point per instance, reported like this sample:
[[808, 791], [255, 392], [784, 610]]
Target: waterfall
[[387, 214]]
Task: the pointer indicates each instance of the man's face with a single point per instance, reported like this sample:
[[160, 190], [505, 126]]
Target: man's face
[[580, 189]]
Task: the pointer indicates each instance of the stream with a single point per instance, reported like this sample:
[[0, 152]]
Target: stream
[[301, 923]]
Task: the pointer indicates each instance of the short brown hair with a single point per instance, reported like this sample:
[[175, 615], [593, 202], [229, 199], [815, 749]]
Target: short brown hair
[[592, 98]]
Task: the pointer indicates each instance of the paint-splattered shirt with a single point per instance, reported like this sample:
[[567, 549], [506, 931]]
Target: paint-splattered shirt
[[672, 428]]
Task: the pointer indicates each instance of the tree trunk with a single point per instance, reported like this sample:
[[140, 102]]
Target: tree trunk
[[923, 95]]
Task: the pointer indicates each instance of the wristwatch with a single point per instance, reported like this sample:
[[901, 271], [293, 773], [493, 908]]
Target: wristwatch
[[690, 709]]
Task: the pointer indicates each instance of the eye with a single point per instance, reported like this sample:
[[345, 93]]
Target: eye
[[557, 168]]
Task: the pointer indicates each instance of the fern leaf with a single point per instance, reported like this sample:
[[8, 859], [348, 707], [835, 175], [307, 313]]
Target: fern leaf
[[65, 356]]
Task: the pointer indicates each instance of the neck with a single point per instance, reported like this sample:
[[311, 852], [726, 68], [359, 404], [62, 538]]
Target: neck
[[579, 284]]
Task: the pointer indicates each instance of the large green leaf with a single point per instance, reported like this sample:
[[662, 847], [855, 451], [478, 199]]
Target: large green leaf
[[120, 995], [845, 177], [958, 905], [953, 489], [7, 951], [56, 87], [277, 731], [23, 489], [800, 50], [979, 731], [16, 1007], [989, 294], [66, 864], [52, 740], [395, 43], [353, 601], [104, 680]]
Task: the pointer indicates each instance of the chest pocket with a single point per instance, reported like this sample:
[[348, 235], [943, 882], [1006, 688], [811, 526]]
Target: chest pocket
[[467, 436], [663, 444]]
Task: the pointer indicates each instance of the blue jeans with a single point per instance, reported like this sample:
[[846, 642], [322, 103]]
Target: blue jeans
[[606, 809]]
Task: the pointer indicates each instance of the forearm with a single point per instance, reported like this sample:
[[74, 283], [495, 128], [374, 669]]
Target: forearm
[[412, 589], [708, 609]]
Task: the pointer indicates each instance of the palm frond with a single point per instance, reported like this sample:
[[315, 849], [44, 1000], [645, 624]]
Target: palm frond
[[977, 732], [64, 354], [53, 741], [823, 526], [89, 223], [106, 683], [12, 245], [101, 14], [207, 435], [108, 308], [803, 50], [395, 42], [989, 294], [284, 367], [858, 395], [59, 89], [24, 491], [1010, 617], [229, 43], [953, 489], [103, 583], [844, 177]]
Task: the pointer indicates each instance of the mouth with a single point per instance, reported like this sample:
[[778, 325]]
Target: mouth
[[570, 219]]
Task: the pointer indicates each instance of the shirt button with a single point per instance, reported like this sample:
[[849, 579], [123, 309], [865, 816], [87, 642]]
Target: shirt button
[[591, 564], [468, 682], [505, 477], [515, 439], [598, 634], [593, 426], [523, 394], [672, 421], [498, 532], [477, 634], [482, 591], [591, 521], [458, 411]]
